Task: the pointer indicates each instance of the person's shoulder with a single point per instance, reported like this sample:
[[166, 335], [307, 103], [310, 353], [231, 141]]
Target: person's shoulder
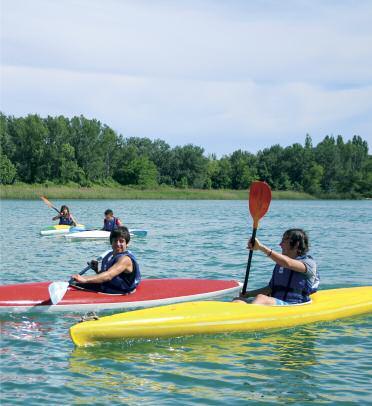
[[309, 262], [305, 257]]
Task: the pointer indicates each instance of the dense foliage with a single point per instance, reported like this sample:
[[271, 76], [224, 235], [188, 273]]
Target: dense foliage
[[63, 150]]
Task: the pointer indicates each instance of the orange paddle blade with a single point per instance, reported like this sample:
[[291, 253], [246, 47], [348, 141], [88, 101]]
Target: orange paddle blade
[[46, 201], [259, 200]]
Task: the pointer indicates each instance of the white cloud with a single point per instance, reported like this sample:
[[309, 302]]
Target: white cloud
[[223, 75]]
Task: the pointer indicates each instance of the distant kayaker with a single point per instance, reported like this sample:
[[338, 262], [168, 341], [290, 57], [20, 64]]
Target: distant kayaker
[[65, 217], [295, 276], [120, 272], [110, 222]]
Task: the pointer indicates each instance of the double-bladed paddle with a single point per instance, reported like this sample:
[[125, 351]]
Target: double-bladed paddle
[[57, 290], [259, 202], [51, 206]]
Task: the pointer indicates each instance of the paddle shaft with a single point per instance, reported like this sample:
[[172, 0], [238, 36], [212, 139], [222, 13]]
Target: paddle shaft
[[249, 262], [50, 205], [55, 208]]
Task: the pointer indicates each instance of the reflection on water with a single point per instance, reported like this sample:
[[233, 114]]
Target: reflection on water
[[198, 366], [285, 365], [326, 362]]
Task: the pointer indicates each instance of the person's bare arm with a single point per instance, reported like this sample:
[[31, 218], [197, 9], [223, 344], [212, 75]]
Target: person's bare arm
[[123, 265], [280, 259]]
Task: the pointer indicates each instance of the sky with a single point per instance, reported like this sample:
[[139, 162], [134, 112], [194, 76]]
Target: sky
[[224, 75]]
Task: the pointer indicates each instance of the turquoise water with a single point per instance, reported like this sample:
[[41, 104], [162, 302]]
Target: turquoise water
[[326, 362]]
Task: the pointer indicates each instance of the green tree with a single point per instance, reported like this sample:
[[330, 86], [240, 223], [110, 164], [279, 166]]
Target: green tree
[[189, 162], [140, 171], [29, 136], [243, 169], [8, 171], [327, 155]]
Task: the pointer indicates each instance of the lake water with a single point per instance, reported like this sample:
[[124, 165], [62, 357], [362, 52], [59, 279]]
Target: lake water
[[325, 362]]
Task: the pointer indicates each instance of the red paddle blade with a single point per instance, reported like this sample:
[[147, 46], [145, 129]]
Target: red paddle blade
[[259, 200]]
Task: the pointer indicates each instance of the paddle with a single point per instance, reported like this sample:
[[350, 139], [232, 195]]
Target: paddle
[[57, 290], [259, 202], [51, 206]]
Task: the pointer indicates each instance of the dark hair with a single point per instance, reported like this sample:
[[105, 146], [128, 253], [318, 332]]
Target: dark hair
[[120, 232], [297, 235], [109, 211], [63, 207]]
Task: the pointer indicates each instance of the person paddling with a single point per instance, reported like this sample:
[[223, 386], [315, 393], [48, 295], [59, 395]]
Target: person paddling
[[120, 271], [65, 217], [295, 276], [110, 222]]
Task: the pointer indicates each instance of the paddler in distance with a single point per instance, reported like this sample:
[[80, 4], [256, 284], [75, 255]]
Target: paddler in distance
[[110, 222], [295, 276], [120, 272], [65, 217]]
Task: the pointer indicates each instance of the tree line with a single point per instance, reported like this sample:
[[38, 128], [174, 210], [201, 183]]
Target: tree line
[[85, 151]]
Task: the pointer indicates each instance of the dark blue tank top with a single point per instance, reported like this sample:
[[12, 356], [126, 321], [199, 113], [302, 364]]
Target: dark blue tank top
[[125, 282]]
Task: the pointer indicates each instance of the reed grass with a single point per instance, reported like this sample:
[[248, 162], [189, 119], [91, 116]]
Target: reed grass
[[29, 192]]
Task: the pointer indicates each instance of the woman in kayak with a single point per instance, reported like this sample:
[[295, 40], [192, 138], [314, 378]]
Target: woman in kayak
[[295, 276], [65, 217], [120, 272], [110, 222]]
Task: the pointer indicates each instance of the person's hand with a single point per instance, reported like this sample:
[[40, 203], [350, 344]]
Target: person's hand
[[78, 278], [257, 244], [94, 265], [241, 296]]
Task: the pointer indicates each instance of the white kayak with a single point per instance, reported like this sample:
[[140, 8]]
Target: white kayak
[[61, 229], [101, 234]]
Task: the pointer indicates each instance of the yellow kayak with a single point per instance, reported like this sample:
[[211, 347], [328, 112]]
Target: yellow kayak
[[61, 229], [211, 317]]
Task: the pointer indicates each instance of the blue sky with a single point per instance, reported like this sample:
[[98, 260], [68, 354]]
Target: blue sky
[[220, 74]]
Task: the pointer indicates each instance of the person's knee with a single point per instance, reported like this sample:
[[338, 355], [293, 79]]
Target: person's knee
[[260, 298]]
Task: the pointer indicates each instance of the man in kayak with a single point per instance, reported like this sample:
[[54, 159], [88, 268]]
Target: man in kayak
[[65, 217], [120, 272], [110, 222], [295, 276]]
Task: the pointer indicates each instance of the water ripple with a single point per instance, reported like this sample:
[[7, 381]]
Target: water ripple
[[320, 363]]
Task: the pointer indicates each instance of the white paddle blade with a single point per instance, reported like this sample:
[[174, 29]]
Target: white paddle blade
[[57, 290]]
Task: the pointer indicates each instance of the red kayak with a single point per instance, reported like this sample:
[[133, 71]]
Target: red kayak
[[32, 297]]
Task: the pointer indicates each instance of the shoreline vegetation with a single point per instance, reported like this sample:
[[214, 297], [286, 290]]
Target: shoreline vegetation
[[83, 158], [33, 192]]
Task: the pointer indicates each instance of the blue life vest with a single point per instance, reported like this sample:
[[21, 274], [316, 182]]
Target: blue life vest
[[124, 282], [66, 221], [291, 286], [110, 225]]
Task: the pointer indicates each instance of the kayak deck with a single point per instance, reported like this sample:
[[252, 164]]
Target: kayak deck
[[222, 317], [61, 229], [101, 234], [33, 297]]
